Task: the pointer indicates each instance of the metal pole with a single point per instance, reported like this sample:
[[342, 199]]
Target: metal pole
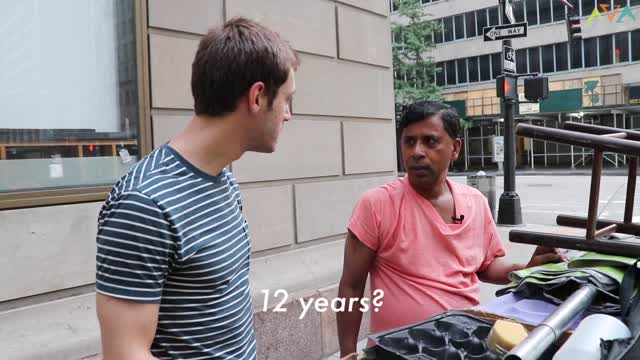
[[509, 211]]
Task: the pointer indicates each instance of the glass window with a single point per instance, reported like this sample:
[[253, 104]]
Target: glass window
[[605, 47], [440, 74], [496, 65], [544, 11], [534, 60], [590, 52], [485, 68], [437, 34], [481, 20], [576, 55], [470, 19], [548, 59], [635, 45], [621, 3], [622, 47], [518, 10], [69, 65], [473, 69], [531, 7], [459, 26], [462, 71], [448, 29], [494, 18], [521, 61], [562, 57], [587, 6], [451, 72], [634, 2], [558, 10], [395, 5]]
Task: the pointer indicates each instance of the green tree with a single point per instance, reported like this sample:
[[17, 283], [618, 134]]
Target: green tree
[[412, 66]]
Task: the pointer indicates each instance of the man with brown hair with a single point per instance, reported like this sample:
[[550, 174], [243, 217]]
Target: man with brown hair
[[173, 250]]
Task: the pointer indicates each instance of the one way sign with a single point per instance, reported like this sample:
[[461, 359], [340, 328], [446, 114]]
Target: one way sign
[[503, 32]]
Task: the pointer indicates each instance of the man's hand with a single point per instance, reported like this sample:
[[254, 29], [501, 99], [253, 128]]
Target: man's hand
[[544, 255]]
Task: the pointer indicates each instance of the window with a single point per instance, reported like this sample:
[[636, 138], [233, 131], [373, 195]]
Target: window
[[635, 45], [481, 20], [470, 19], [438, 34], [496, 65], [473, 69], [440, 74], [558, 10], [71, 68], [459, 26], [448, 29], [462, 71], [534, 60], [548, 59], [621, 3], [451, 72], [605, 47], [622, 47], [531, 7], [494, 17], [485, 68], [544, 11], [518, 10], [590, 52], [521, 61], [587, 7], [395, 5], [576, 55], [634, 2], [562, 57]]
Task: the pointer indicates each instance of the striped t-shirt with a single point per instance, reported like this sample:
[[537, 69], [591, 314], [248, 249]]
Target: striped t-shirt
[[171, 234]]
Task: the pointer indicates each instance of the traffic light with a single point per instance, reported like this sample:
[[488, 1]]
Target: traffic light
[[574, 29], [536, 88], [507, 87]]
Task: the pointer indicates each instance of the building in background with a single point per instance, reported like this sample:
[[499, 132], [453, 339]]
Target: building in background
[[595, 82], [88, 87]]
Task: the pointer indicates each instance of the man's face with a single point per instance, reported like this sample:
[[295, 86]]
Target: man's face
[[272, 120], [427, 150]]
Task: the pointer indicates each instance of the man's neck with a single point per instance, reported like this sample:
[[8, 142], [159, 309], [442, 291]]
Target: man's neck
[[434, 192], [210, 144]]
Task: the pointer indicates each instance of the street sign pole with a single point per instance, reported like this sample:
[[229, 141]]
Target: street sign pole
[[509, 210]]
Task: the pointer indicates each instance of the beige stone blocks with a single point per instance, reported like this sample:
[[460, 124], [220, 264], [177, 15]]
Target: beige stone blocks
[[369, 147], [170, 68], [194, 16], [269, 211]]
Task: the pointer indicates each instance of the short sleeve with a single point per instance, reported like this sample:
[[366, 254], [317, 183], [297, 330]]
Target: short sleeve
[[365, 221], [493, 243], [135, 248]]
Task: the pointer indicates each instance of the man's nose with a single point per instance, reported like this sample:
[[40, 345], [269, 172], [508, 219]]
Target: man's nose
[[418, 151]]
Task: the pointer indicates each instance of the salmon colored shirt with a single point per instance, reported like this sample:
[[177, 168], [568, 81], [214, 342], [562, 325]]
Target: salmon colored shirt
[[424, 265]]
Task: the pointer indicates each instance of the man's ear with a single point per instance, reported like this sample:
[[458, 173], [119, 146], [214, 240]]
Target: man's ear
[[256, 97], [457, 145]]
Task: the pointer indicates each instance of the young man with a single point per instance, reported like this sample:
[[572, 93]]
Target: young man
[[425, 240], [173, 245]]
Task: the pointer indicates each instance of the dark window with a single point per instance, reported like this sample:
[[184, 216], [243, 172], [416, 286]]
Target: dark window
[[426, 1], [448, 29], [485, 69], [576, 55], [534, 60], [494, 18], [622, 47], [587, 6], [635, 45], [462, 71], [606, 50], [521, 61], [496, 65], [470, 19], [634, 2], [395, 4], [459, 25], [481, 19], [518, 10], [451, 72], [558, 10], [591, 52], [440, 74], [621, 3], [532, 12], [547, 59], [473, 69], [544, 11], [562, 57], [437, 34]]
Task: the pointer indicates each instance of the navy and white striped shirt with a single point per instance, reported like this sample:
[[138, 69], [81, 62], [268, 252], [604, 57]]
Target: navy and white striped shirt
[[174, 235]]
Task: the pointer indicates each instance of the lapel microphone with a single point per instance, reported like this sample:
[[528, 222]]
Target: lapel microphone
[[457, 220]]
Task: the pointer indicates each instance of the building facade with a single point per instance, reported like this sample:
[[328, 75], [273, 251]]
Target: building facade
[[87, 88], [596, 81]]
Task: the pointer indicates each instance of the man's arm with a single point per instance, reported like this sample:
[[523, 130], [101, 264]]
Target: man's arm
[[357, 262], [498, 271], [127, 328]]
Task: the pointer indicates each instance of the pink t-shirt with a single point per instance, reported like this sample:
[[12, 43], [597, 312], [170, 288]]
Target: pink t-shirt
[[424, 265]]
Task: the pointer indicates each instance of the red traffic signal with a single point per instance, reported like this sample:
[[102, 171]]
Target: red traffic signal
[[574, 28], [507, 87]]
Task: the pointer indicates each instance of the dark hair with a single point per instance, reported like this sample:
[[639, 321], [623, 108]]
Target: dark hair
[[422, 110], [232, 58]]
